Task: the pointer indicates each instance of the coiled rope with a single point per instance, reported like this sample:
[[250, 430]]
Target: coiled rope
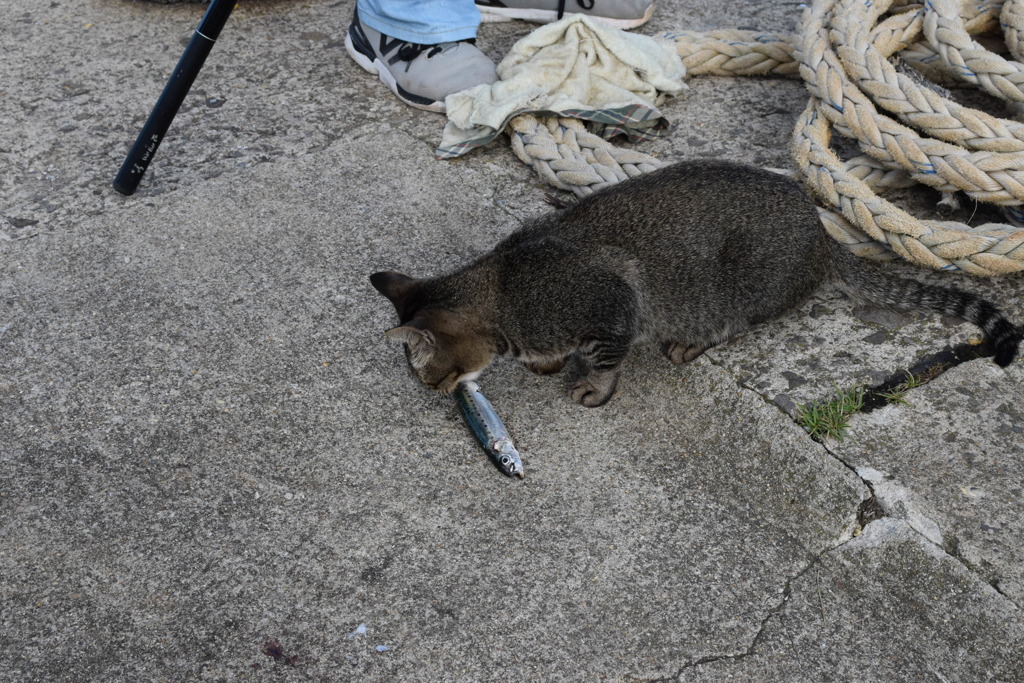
[[908, 132]]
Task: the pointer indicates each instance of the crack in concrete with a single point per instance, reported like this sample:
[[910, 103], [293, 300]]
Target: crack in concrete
[[925, 370], [787, 591], [951, 548], [509, 212], [867, 507], [891, 500], [870, 509]]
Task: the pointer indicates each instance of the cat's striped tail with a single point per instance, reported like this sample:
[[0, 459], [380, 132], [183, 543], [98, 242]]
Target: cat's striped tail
[[871, 282]]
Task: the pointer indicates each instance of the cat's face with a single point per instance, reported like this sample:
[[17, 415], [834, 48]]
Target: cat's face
[[443, 347], [440, 360]]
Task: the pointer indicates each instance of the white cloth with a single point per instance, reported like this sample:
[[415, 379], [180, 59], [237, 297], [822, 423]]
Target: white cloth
[[574, 67]]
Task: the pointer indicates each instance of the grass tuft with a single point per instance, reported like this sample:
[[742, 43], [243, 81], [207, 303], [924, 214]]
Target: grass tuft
[[832, 417], [897, 394]]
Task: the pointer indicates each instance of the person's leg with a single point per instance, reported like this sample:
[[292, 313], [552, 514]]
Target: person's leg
[[422, 49], [426, 22], [619, 13]]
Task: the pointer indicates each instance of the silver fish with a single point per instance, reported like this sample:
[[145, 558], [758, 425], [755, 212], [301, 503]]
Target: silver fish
[[488, 429]]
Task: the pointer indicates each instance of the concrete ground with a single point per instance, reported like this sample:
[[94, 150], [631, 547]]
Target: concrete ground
[[213, 466]]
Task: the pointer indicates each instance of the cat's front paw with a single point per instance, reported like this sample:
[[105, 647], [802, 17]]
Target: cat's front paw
[[593, 394]]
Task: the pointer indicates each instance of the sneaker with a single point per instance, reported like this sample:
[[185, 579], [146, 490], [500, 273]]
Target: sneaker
[[617, 13], [420, 75]]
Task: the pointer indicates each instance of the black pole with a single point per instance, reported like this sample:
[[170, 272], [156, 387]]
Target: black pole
[[152, 134]]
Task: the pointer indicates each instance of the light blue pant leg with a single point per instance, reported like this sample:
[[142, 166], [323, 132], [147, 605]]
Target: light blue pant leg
[[427, 22]]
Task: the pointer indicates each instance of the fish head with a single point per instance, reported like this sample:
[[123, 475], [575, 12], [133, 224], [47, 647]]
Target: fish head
[[507, 458]]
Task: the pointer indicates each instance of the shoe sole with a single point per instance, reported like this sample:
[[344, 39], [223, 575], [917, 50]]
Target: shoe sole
[[546, 16], [377, 67]]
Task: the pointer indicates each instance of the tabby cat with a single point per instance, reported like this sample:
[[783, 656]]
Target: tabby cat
[[689, 256]]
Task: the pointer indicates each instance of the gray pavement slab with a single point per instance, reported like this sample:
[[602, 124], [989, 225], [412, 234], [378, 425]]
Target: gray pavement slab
[[208, 422], [213, 466], [951, 462], [888, 606]]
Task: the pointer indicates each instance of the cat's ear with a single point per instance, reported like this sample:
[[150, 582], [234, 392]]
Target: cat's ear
[[411, 335], [420, 341], [395, 286]]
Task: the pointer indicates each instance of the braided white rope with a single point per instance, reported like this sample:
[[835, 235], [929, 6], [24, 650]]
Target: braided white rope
[[945, 32], [1012, 21], [864, 56], [990, 176], [842, 55], [987, 250], [735, 53], [569, 157]]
